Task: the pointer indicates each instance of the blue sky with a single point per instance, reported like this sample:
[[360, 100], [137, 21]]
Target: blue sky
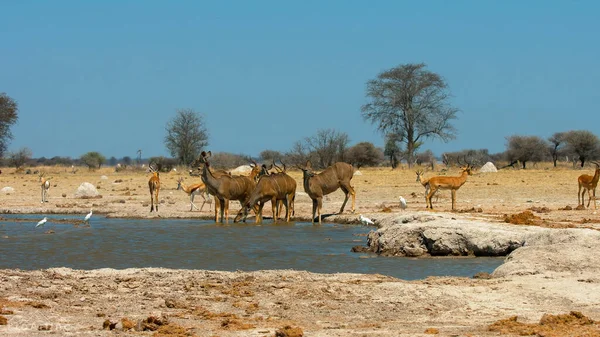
[[107, 75]]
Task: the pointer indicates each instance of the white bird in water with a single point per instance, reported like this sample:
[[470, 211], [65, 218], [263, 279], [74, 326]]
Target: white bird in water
[[402, 203], [88, 216], [42, 222], [365, 221]]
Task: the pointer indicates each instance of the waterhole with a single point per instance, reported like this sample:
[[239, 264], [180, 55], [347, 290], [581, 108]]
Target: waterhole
[[197, 244]]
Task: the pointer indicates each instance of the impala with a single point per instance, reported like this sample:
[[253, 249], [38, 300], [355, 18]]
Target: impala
[[335, 176], [154, 187], [588, 183], [447, 183], [192, 191], [45, 184], [226, 187]]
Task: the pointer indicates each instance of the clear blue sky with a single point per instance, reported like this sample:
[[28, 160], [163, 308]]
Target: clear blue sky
[[107, 75]]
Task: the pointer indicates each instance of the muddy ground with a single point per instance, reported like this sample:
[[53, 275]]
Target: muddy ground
[[202, 303]]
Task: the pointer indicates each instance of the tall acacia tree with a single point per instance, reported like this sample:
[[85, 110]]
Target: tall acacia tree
[[412, 103], [186, 136], [8, 116]]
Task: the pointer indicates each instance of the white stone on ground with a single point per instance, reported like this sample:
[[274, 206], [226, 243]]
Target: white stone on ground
[[86, 190], [241, 170], [7, 189], [488, 167]]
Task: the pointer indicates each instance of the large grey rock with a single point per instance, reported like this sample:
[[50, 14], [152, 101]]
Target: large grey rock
[[442, 235], [573, 251], [86, 190]]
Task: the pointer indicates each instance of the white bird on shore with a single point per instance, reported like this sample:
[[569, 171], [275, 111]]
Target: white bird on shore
[[42, 222], [365, 221], [402, 203], [88, 216]]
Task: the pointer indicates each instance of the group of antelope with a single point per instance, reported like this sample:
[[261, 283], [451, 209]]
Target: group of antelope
[[272, 183], [586, 182], [265, 183]]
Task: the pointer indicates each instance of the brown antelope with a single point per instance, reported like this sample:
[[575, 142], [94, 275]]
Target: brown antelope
[[227, 187], [425, 183], [335, 176], [279, 188], [45, 184], [193, 190], [154, 186], [277, 169], [447, 183], [588, 183]]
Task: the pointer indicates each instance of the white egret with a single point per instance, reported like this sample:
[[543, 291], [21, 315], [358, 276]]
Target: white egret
[[42, 222], [88, 216], [365, 221], [402, 203]]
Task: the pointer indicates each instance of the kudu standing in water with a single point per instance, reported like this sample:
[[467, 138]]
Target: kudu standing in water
[[335, 176], [226, 187], [275, 187]]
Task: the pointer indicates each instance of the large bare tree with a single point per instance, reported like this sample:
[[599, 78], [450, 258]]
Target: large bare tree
[[412, 103], [8, 116], [186, 136], [327, 146]]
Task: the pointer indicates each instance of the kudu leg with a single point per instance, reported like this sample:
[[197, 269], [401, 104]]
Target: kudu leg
[[275, 209], [319, 206], [579, 196], [314, 211], [348, 190]]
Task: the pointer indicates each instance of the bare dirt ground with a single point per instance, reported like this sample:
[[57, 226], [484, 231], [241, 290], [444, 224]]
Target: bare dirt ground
[[202, 303]]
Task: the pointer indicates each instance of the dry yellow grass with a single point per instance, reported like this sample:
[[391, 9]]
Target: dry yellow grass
[[126, 193]]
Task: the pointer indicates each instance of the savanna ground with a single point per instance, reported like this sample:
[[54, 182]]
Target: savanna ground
[[203, 303]]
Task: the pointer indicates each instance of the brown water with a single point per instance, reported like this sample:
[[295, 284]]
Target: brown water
[[196, 244]]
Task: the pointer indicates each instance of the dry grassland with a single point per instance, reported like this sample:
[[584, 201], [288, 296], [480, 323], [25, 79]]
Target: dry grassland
[[545, 191]]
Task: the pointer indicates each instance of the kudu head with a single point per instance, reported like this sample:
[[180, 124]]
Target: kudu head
[[242, 214], [264, 170], [307, 170]]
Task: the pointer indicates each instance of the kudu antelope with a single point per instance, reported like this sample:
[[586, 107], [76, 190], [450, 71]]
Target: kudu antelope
[[447, 183], [335, 176], [588, 183], [45, 184], [227, 187], [279, 188], [272, 169], [154, 187], [193, 190]]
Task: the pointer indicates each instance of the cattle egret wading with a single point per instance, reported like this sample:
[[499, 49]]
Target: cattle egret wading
[[42, 222]]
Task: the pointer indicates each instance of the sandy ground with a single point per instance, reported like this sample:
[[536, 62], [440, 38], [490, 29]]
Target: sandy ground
[[71, 302]]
